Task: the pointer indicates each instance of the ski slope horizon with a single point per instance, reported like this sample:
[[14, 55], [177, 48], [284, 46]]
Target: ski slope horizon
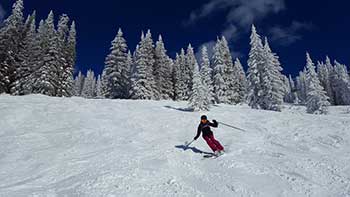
[[79, 147]]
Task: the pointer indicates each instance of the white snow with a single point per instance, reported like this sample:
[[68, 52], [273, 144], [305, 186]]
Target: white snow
[[78, 147]]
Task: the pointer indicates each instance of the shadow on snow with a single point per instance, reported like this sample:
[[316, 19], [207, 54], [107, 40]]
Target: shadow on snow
[[180, 109], [193, 149]]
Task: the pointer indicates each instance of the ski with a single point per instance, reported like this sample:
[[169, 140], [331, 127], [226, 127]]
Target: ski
[[209, 156], [214, 156]]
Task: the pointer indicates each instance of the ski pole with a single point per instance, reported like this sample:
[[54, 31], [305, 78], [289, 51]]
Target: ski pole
[[187, 144], [233, 127]]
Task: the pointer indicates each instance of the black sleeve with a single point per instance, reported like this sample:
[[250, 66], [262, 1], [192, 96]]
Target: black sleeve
[[214, 124], [199, 130]]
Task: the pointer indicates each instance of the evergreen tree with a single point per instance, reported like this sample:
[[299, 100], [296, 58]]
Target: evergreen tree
[[179, 81], [69, 55], [117, 69], [240, 82], [89, 85], [329, 89], [163, 71], [198, 100], [47, 80], [143, 83], [23, 71], [287, 89], [71, 45], [104, 83], [206, 74], [272, 85], [78, 84], [218, 74], [317, 100], [292, 96], [62, 31], [229, 73], [40, 45], [99, 93], [323, 75], [301, 86], [11, 36], [342, 84], [130, 65], [255, 64], [188, 71], [175, 77]]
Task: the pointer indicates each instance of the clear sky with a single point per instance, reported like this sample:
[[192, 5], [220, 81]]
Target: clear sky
[[292, 26]]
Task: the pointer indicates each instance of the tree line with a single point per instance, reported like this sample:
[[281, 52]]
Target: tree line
[[40, 60], [37, 60], [149, 73]]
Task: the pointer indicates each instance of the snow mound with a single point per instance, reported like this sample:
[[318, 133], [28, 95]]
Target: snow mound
[[78, 147]]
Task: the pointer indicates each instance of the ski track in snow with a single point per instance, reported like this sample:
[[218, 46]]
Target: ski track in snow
[[78, 147]]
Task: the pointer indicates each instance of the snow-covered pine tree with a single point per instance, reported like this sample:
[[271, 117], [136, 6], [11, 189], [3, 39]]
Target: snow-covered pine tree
[[329, 89], [272, 83], [240, 82], [62, 34], [198, 100], [173, 76], [218, 74], [179, 82], [229, 74], [175, 72], [143, 83], [287, 90], [47, 79], [78, 84], [117, 69], [71, 46], [294, 95], [188, 70], [23, 71], [40, 44], [342, 84], [89, 85], [317, 100], [323, 75], [70, 58], [150, 54], [130, 65], [176, 77], [133, 66], [104, 83], [291, 96], [255, 63], [11, 36], [163, 71], [301, 86], [206, 73], [99, 93]]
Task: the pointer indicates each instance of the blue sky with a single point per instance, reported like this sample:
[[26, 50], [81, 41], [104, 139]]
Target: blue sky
[[293, 27]]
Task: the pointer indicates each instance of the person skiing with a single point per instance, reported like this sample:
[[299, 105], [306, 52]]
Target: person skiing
[[208, 135]]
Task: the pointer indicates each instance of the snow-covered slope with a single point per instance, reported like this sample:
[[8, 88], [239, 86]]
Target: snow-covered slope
[[78, 147]]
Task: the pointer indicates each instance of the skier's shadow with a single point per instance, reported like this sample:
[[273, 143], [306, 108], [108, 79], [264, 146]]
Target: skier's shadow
[[193, 149]]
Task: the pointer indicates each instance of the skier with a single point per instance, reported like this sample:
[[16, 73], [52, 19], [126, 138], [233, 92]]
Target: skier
[[208, 135]]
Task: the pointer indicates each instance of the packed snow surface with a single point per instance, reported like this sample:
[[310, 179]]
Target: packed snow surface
[[78, 147]]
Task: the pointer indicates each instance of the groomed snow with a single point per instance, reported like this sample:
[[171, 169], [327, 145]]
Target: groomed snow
[[78, 147]]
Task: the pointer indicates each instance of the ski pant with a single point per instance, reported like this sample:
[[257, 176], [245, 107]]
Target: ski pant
[[213, 143]]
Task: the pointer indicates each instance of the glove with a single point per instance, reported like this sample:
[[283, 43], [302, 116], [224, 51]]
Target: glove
[[195, 138], [214, 121]]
